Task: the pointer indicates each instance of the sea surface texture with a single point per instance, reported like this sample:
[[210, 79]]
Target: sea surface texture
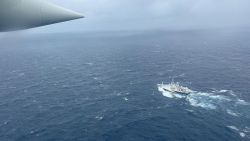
[[103, 86]]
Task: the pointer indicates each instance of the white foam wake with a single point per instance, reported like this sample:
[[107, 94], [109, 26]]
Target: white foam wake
[[209, 100], [225, 100]]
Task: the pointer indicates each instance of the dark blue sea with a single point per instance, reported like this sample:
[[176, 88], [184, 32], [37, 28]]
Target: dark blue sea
[[103, 86]]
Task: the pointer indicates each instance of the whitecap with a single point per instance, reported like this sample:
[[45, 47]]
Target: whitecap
[[242, 134], [125, 98], [242, 102], [190, 110], [6, 122], [99, 117], [119, 94], [232, 113], [232, 93], [89, 63], [223, 91], [247, 130], [233, 128]]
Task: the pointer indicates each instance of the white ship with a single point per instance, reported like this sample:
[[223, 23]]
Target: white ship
[[174, 88]]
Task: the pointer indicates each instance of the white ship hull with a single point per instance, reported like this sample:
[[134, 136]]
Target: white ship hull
[[174, 89]]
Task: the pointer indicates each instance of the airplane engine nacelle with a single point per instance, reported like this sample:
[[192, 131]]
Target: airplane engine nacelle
[[24, 14]]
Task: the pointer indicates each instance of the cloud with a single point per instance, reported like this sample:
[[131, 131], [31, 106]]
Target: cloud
[[152, 14]]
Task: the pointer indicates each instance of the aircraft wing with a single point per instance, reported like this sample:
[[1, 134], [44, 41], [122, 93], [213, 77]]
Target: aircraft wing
[[24, 14]]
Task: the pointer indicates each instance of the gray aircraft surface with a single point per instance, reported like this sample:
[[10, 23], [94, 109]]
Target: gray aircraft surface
[[24, 14]]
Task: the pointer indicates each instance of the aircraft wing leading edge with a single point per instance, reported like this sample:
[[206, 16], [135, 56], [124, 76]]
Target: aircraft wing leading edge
[[24, 14]]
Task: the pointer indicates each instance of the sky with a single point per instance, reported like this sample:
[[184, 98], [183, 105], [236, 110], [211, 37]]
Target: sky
[[109, 15]]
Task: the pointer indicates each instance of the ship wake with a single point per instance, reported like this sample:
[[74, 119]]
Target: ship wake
[[215, 99], [226, 101]]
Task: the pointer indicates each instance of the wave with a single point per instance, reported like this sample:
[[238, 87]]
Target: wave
[[242, 102], [223, 99], [232, 113], [244, 133]]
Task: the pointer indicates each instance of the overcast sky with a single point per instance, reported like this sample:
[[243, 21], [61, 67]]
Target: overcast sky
[[104, 15]]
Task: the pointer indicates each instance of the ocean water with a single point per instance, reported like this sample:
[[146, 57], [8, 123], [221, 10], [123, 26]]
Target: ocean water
[[103, 86]]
